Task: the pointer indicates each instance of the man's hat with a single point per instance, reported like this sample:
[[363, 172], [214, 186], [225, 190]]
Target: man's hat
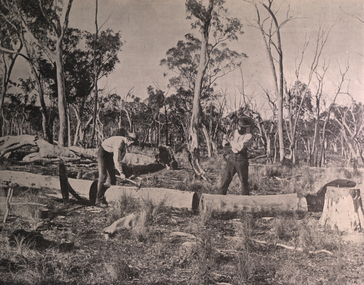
[[244, 122]]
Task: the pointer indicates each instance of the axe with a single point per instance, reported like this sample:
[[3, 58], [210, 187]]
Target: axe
[[93, 188], [137, 184]]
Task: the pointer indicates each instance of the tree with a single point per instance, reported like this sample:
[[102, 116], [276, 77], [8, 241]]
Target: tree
[[305, 96], [10, 48], [46, 23], [79, 65], [351, 121], [95, 71], [298, 103], [215, 29], [156, 101], [274, 29]]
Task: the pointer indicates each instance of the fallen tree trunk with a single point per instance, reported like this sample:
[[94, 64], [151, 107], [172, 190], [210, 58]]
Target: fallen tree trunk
[[51, 187], [264, 204], [10, 143], [50, 153], [343, 209], [129, 158]]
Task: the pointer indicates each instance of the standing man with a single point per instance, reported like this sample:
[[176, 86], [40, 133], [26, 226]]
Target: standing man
[[109, 157], [237, 161]]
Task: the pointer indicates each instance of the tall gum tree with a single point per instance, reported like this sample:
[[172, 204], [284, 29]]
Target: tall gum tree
[[11, 45], [208, 19], [46, 22], [270, 30]]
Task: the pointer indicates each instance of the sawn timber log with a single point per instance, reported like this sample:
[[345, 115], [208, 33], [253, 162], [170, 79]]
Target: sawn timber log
[[267, 204], [263, 204], [50, 186]]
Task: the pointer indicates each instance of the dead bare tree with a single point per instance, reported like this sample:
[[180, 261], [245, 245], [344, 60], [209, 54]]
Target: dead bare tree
[[332, 105], [268, 33], [351, 122], [295, 112]]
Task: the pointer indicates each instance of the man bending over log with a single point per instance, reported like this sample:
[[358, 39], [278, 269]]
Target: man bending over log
[[109, 157], [237, 161]]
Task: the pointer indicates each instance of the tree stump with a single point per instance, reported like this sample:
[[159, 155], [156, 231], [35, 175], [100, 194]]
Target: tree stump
[[343, 209]]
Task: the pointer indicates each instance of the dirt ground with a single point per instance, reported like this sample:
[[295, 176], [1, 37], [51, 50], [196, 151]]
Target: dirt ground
[[216, 250]]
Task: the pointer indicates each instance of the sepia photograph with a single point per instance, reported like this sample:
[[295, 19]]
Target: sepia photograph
[[182, 142]]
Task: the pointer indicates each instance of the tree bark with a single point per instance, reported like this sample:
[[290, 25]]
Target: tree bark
[[264, 204], [10, 143], [95, 75], [343, 210], [50, 186], [193, 142], [62, 104]]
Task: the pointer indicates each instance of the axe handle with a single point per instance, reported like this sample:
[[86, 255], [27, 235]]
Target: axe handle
[[130, 181]]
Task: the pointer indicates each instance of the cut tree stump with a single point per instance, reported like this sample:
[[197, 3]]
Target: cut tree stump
[[343, 209]]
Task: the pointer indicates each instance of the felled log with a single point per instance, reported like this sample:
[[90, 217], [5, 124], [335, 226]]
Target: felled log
[[176, 199], [343, 209], [50, 186], [47, 150], [263, 204], [37, 158], [10, 143], [84, 152]]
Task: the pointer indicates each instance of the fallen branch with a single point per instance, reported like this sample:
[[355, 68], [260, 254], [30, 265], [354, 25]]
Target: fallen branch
[[276, 244], [292, 247]]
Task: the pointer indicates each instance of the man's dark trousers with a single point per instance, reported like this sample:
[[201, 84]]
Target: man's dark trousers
[[105, 165], [236, 163]]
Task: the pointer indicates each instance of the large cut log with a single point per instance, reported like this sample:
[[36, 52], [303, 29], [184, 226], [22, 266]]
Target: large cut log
[[343, 209], [263, 204], [168, 197], [51, 187], [10, 143]]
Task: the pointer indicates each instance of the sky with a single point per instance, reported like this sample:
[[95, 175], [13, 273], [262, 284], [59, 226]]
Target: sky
[[151, 27]]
